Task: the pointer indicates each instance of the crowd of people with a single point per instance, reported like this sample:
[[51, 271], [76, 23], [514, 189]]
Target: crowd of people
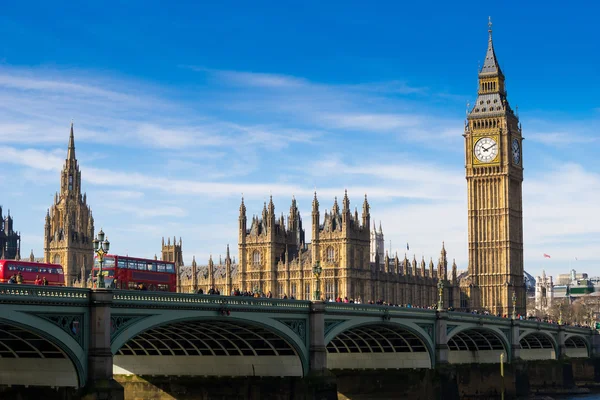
[[339, 299], [17, 279]]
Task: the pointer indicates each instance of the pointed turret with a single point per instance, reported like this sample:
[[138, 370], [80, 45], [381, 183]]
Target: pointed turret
[[271, 206], [366, 214], [454, 272], [242, 208], [490, 65], [335, 210], [71, 149], [31, 256], [346, 203], [431, 267], [194, 264]]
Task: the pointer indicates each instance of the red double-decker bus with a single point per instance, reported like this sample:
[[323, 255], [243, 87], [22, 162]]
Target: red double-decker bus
[[30, 271], [132, 273]]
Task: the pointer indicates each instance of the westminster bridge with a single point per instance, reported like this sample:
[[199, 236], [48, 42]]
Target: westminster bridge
[[82, 338]]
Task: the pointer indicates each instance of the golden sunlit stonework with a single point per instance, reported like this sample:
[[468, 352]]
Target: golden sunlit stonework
[[69, 227], [494, 172], [274, 257]]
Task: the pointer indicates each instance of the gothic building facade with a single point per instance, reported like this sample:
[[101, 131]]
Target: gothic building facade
[[69, 227], [274, 257], [494, 172], [10, 241]]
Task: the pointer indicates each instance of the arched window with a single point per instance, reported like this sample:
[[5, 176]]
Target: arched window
[[330, 254], [256, 257], [56, 259]]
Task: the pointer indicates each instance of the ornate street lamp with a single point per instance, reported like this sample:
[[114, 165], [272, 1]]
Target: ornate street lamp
[[101, 248], [560, 321], [440, 286], [514, 304], [317, 273]]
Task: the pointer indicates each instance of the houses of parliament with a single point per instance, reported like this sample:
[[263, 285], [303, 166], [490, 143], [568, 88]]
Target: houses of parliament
[[273, 255]]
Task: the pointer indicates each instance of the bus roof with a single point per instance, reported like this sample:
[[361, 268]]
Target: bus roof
[[116, 256], [29, 263]]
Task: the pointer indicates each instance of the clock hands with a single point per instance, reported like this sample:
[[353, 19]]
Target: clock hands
[[486, 149]]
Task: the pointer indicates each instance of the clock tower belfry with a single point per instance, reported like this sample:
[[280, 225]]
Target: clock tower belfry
[[494, 172]]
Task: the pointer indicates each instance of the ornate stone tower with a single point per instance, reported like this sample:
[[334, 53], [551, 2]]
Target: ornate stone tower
[[267, 243], [172, 252], [494, 172], [69, 228], [342, 246], [10, 240]]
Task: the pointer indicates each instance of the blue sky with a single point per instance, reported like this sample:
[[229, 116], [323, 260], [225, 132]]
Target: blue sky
[[180, 108]]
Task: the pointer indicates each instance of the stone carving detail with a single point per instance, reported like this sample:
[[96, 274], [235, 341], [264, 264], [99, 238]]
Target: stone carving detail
[[119, 322], [298, 326], [73, 324], [332, 323], [449, 328], [427, 328]]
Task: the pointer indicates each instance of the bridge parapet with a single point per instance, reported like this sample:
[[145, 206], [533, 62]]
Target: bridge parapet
[[372, 309], [43, 294], [132, 298]]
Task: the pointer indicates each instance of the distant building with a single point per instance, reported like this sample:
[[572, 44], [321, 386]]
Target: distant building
[[544, 292], [377, 244], [10, 241]]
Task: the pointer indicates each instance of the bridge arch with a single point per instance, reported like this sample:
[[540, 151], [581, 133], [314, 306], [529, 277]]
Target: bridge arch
[[477, 345], [537, 345], [378, 345], [41, 347], [576, 346], [208, 345]]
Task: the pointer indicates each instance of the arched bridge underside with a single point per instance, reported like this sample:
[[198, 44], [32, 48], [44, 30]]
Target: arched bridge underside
[[27, 358], [537, 346], [476, 346], [576, 347], [208, 348], [376, 347]]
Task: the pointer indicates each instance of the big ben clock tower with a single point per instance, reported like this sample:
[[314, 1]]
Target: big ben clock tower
[[494, 172]]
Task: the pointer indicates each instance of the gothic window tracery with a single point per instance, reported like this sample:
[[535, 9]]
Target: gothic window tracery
[[256, 258], [330, 254]]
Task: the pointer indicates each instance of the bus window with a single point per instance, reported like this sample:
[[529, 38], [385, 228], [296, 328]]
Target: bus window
[[170, 268], [109, 262], [149, 267], [162, 288], [161, 267], [122, 263], [154, 266], [133, 285]]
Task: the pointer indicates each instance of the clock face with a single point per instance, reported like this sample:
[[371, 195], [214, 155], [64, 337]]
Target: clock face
[[486, 149], [516, 151]]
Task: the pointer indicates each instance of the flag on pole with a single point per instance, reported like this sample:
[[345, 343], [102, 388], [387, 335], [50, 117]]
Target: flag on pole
[[546, 255], [407, 248]]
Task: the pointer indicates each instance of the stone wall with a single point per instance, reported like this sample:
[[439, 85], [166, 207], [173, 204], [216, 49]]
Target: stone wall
[[247, 388]]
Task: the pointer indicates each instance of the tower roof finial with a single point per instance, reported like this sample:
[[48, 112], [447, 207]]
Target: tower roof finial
[[490, 26], [71, 150]]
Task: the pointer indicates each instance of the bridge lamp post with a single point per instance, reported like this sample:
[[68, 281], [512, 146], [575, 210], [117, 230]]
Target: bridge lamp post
[[101, 248], [317, 273], [560, 314], [440, 305], [514, 304]]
